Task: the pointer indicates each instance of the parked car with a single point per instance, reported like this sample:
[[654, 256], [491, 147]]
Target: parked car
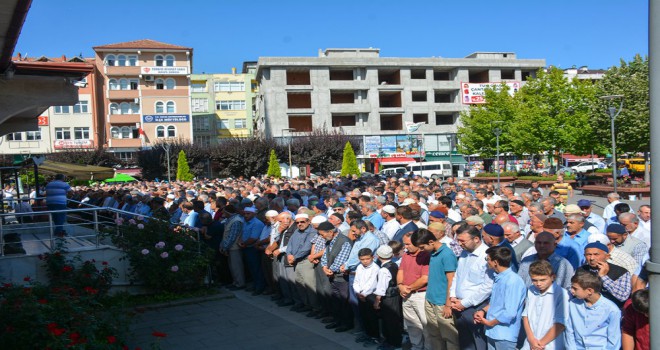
[[551, 171], [588, 166], [393, 171]]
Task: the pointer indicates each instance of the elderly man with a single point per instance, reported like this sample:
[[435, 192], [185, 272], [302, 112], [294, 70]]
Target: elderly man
[[616, 280], [493, 235], [391, 226], [590, 216], [617, 257], [519, 243], [371, 214], [644, 215], [575, 229], [566, 247], [298, 250], [622, 240], [519, 212], [337, 249], [549, 209], [229, 246], [574, 209], [286, 274], [631, 222], [337, 220], [545, 250], [475, 221]]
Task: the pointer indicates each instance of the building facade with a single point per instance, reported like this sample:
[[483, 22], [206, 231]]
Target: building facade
[[222, 106], [379, 98], [145, 94], [62, 127]]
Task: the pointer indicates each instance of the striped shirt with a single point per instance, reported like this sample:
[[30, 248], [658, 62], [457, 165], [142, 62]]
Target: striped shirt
[[56, 191]]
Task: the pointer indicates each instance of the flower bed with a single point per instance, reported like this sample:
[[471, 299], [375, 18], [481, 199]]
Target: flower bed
[[603, 190]]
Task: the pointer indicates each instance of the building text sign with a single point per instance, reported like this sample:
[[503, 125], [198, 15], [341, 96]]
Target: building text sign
[[159, 118], [164, 70], [475, 93], [63, 144]]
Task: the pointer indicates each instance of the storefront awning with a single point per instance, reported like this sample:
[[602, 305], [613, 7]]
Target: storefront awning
[[397, 161], [81, 172], [573, 158]]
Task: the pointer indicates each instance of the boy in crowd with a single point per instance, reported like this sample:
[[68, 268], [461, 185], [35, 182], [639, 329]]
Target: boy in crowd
[[593, 321], [546, 310], [635, 324], [387, 301], [366, 276], [502, 316]]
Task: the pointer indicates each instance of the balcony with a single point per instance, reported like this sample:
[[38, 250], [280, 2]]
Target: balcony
[[125, 143], [123, 94], [124, 118], [122, 71]]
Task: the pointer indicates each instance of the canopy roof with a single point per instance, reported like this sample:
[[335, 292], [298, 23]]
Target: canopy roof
[[80, 172]]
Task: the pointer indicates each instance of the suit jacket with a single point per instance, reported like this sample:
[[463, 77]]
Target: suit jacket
[[409, 227], [522, 247]]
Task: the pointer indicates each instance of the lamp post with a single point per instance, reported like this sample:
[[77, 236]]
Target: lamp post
[[613, 112], [166, 147], [497, 131], [290, 130]]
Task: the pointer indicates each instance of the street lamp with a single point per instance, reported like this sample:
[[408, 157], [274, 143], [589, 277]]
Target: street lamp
[[290, 130], [613, 112], [166, 147], [497, 131]]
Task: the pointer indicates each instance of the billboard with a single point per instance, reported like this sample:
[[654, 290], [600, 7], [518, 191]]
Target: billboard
[[475, 93]]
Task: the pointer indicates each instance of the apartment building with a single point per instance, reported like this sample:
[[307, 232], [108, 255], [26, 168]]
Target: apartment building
[[62, 127], [222, 105], [145, 94], [379, 98]]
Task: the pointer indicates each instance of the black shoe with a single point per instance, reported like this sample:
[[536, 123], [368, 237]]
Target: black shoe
[[343, 329], [362, 338], [257, 292], [332, 325], [321, 314], [267, 292], [276, 298], [304, 309], [328, 320], [311, 314], [283, 303]]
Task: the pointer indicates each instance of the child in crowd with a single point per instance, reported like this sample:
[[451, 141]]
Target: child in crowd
[[388, 299], [366, 277], [397, 251], [502, 316], [635, 324], [593, 321], [546, 310]]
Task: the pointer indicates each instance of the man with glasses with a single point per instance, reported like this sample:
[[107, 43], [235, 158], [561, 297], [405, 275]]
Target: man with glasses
[[299, 248]]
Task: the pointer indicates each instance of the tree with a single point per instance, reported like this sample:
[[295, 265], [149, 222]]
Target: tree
[[274, 165], [182, 168], [349, 162]]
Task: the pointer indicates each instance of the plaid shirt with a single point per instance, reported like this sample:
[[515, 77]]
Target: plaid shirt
[[318, 244], [619, 288], [235, 223], [341, 257]]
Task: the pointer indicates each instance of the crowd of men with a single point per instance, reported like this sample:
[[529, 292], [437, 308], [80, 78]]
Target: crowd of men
[[450, 264]]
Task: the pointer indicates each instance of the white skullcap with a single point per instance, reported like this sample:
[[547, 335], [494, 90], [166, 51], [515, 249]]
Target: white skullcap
[[318, 219], [302, 216], [598, 237], [272, 213], [389, 209]]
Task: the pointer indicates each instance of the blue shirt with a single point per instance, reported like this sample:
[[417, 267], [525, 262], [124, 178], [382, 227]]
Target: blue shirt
[[376, 219], [580, 238], [56, 191], [442, 261], [191, 219], [368, 240], [252, 229], [506, 306], [300, 243], [570, 250], [593, 327]]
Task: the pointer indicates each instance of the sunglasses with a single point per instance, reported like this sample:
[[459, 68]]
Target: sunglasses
[[301, 222]]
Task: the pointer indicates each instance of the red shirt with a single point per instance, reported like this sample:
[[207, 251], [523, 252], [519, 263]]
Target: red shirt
[[636, 324], [414, 267]]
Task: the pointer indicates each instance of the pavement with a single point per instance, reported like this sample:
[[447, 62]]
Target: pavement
[[241, 321]]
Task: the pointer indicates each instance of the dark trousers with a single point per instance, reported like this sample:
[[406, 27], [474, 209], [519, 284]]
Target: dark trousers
[[253, 262], [267, 268], [59, 219], [323, 289], [392, 316], [340, 308], [470, 336], [369, 316]]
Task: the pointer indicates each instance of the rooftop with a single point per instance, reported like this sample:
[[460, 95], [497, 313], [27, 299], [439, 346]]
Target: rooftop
[[141, 44]]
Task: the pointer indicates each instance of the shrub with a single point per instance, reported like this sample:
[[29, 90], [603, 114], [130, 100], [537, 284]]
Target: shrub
[[502, 174], [349, 161], [164, 259], [274, 169]]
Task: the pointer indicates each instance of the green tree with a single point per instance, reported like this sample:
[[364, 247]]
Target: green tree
[[274, 165], [349, 164], [632, 125], [182, 168]]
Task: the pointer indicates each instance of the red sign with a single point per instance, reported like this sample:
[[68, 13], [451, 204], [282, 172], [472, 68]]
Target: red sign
[[42, 120], [62, 144]]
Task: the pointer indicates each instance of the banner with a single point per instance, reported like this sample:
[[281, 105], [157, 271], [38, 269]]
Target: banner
[[158, 118], [63, 144], [475, 93], [164, 70]]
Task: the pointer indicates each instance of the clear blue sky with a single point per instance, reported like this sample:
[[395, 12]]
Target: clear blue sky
[[596, 33]]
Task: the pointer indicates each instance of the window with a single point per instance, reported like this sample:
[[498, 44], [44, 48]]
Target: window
[[203, 140], [198, 87], [33, 135], [114, 85], [62, 134], [123, 84], [81, 107], [15, 136], [200, 105], [121, 60], [229, 86], [110, 60], [62, 109], [81, 133], [171, 107], [134, 84], [125, 108], [171, 131], [114, 132], [231, 105], [126, 132], [114, 108], [170, 84], [201, 124], [124, 155], [132, 60], [240, 123], [160, 84], [135, 108], [169, 61], [223, 124], [160, 131], [159, 60], [160, 107]]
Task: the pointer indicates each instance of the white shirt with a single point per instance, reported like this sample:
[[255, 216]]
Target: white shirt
[[608, 212], [645, 224], [454, 215], [274, 232], [544, 310], [390, 228], [473, 282], [643, 235], [384, 277], [366, 279]]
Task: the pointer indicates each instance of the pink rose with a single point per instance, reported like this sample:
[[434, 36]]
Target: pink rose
[[174, 268], [145, 251], [178, 247], [160, 245], [164, 255]]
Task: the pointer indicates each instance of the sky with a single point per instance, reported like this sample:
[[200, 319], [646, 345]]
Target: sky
[[224, 34]]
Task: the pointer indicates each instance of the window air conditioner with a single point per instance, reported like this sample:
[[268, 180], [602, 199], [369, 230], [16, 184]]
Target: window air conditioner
[[149, 78]]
